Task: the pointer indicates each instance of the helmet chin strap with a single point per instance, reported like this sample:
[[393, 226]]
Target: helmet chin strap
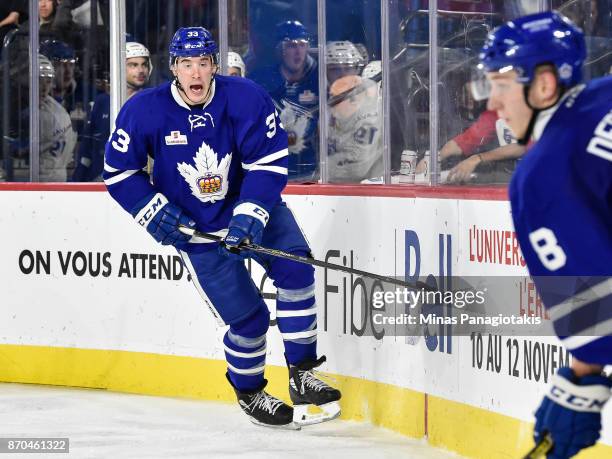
[[179, 86], [534, 116], [535, 112]]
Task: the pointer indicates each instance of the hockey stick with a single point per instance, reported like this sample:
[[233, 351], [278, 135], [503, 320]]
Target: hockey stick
[[309, 261], [541, 449]]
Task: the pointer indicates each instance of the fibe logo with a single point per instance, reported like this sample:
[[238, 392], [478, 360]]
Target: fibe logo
[[352, 304]]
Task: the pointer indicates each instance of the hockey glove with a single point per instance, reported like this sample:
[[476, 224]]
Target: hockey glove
[[571, 412], [246, 226], [162, 219]]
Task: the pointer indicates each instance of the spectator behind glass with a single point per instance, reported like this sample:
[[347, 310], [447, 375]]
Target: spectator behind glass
[[79, 12], [293, 85], [343, 58], [64, 62], [235, 65], [90, 158], [355, 140], [11, 13], [46, 15], [488, 131], [55, 22], [57, 138]]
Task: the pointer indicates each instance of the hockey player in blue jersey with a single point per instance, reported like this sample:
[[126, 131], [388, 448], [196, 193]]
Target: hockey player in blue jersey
[[561, 197], [220, 164], [294, 88], [90, 158]]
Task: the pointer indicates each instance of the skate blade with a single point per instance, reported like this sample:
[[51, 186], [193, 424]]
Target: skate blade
[[290, 426], [302, 417]]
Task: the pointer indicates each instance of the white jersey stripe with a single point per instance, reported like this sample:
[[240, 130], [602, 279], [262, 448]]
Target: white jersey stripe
[[108, 168], [570, 305], [597, 331], [267, 159], [276, 169], [298, 335], [247, 371], [294, 295], [120, 177], [297, 313], [574, 342], [245, 355]]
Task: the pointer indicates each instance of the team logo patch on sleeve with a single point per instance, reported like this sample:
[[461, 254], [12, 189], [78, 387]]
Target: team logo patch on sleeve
[[176, 138], [208, 179]]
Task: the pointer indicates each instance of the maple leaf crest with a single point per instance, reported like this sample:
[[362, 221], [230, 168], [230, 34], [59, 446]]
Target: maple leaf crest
[[208, 179]]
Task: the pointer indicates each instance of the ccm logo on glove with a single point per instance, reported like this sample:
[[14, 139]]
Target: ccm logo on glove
[[149, 211], [579, 398], [232, 240], [252, 210]]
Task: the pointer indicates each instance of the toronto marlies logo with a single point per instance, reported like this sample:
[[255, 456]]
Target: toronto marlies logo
[[208, 179], [197, 121], [296, 120]]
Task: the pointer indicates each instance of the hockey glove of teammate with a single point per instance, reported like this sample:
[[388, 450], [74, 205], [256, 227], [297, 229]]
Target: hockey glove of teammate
[[162, 219], [571, 412], [246, 226]]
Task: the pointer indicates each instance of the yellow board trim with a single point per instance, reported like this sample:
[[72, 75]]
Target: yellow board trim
[[470, 431]]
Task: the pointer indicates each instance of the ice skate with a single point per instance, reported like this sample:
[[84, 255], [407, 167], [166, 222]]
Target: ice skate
[[265, 410], [306, 390]]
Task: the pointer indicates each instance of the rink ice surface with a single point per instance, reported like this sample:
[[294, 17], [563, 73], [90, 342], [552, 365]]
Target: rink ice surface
[[103, 424]]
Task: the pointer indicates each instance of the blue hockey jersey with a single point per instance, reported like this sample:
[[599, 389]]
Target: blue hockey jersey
[[297, 104], [561, 196], [90, 158], [205, 159]]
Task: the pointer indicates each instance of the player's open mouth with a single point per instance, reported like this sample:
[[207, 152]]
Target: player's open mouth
[[196, 88]]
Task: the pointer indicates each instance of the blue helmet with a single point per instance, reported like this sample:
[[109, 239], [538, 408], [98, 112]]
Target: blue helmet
[[291, 30], [56, 50], [192, 42], [529, 41]]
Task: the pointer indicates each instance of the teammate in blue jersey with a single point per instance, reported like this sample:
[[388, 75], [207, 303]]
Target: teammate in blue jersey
[[90, 158], [294, 87], [220, 164], [561, 197]]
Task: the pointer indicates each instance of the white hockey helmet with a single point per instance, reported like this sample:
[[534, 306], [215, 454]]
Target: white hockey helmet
[[372, 69], [45, 67], [234, 60], [135, 49], [344, 53], [342, 58]]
